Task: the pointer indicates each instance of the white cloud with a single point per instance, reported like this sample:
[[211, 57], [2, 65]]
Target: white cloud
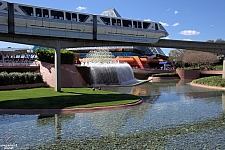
[[187, 39], [212, 25], [175, 24], [147, 20], [79, 8], [176, 12], [189, 32], [166, 37], [164, 24]]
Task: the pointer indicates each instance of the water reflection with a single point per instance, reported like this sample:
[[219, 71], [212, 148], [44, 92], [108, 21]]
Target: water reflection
[[54, 120], [172, 114], [223, 101]]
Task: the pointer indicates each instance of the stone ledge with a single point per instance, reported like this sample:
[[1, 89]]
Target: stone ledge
[[68, 110], [22, 86], [157, 79], [207, 86]]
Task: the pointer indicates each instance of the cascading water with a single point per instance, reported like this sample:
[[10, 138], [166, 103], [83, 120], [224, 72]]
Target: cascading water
[[105, 71]]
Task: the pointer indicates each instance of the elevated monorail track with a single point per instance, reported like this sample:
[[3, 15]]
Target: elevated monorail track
[[218, 48]]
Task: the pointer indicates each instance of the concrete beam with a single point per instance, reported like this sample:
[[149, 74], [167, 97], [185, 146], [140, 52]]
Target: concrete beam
[[192, 45], [44, 41]]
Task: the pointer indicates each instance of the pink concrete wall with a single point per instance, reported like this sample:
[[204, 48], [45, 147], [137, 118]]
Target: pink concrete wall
[[70, 76], [211, 72], [188, 74]]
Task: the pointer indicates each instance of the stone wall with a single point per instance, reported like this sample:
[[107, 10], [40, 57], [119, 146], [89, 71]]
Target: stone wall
[[70, 76]]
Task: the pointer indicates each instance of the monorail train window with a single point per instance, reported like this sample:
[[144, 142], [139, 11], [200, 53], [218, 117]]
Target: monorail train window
[[68, 16], [38, 12], [156, 27], [83, 18], [27, 10], [161, 27], [0, 3], [116, 22], [139, 25], [57, 14], [127, 23], [74, 17], [134, 24], [45, 13], [105, 20], [146, 25]]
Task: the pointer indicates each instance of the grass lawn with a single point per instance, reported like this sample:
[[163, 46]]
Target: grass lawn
[[47, 98]]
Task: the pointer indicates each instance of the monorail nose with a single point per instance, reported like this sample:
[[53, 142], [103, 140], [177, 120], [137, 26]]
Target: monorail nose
[[166, 34]]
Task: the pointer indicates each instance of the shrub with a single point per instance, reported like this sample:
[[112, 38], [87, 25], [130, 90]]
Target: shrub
[[16, 77], [29, 78], [38, 78], [211, 81], [45, 55], [3, 78], [67, 57], [20, 78], [218, 67], [165, 75]]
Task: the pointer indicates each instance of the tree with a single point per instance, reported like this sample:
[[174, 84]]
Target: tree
[[220, 56], [220, 41], [176, 56], [217, 41], [198, 58], [210, 41]]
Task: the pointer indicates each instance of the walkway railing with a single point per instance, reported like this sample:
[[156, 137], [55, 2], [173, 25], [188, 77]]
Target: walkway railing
[[18, 63]]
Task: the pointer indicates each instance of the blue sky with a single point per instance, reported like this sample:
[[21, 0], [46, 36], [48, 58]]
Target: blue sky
[[195, 20]]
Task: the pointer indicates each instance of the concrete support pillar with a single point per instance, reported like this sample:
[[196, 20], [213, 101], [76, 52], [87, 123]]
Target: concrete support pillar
[[223, 76], [57, 69]]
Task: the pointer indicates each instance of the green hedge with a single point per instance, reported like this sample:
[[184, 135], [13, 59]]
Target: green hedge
[[165, 75], [67, 57], [20, 78], [211, 81]]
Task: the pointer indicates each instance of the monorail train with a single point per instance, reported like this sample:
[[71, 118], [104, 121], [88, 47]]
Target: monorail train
[[33, 20]]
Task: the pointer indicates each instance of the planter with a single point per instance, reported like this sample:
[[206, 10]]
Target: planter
[[188, 74]]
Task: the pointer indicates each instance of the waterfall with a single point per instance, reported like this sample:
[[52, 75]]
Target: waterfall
[[105, 71]]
